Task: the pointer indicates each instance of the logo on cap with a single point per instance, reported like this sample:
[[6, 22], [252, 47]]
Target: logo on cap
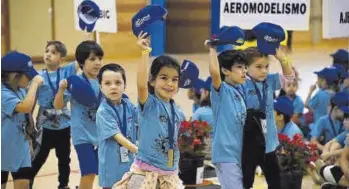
[[187, 82], [140, 21], [270, 39], [240, 40], [30, 64]]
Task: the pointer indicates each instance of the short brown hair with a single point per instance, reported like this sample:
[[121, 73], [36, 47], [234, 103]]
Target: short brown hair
[[252, 53], [60, 47]]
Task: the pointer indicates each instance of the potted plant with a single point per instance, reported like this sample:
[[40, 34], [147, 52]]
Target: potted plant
[[294, 157], [191, 143]]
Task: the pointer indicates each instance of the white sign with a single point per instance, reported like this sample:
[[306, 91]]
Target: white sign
[[107, 21], [290, 14], [335, 18], [199, 175]]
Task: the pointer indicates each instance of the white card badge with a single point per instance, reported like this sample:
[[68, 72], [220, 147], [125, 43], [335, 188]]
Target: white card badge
[[124, 155], [199, 175], [264, 125]]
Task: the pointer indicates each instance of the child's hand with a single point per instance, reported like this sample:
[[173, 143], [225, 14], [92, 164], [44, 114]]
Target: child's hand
[[208, 45], [38, 80], [142, 41], [280, 55], [313, 88], [63, 84]]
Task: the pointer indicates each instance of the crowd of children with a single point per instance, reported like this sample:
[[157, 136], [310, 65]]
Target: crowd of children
[[135, 146]]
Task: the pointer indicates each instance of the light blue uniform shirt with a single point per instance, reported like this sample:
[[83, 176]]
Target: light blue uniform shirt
[[204, 113], [341, 138], [272, 84], [111, 169], [83, 119], [229, 114], [298, 105], [324, 125], [319, 103], [153, 133], [15, 151], [60, 119], [291, 129]]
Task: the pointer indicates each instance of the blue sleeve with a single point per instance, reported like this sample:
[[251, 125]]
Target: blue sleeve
[[299, 106], [318, 128], [314, 101], [107, 124], [9, 102], [341, 137], [196, 115], [147, 106], [69, 69], [273, 81]]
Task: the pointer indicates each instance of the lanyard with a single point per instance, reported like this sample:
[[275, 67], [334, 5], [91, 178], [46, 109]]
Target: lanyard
[[100, 93], [262, 101], [54, 90], [123, 124], [241, 93], [333, 128], [171, 125]]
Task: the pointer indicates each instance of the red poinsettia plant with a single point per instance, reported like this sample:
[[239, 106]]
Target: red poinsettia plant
[[192, 138], [295, 154]]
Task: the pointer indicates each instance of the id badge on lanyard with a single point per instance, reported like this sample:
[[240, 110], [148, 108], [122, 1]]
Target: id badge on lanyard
[[124, 152]]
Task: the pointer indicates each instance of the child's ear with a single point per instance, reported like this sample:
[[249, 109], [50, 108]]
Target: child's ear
[[225, 71]]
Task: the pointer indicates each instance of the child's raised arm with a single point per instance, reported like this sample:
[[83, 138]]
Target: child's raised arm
[[214, 67], [26, 106], [125, 143], [142, 73], [285, 63], [58, 103]]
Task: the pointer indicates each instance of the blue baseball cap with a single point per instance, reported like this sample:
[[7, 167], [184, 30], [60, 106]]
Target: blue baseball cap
[[88, 13], [342, 74], [82, 91], [269, 37], [207, 84], [341, 54], [284, 105], [228, 35], [329, 74], [198, 85], [189, 74], [18, 62], [341, 99], [143, 20]]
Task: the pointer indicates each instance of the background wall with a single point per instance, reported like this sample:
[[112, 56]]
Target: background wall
[[28, 25]]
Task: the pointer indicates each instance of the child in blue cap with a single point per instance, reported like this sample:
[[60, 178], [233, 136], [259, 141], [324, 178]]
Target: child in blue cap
[[331, 125], [283, 112], [116, 126], [334, 148], [327, 83], [204, 113], [55, 124], [341, 57], [83, 119], [228, 71], [16, 120], [260, 132], [156, 162]]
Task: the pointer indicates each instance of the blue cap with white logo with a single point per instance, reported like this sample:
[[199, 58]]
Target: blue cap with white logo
[[189, 74], [143, 20], [18, 62], [88, 13], [228, 35], [82, 91], [269, 37]]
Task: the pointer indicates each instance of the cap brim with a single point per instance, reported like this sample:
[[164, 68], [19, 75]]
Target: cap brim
[[31, 73]]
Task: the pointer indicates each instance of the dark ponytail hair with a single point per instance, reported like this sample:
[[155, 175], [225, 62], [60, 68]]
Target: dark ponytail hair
[[157, 64]]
